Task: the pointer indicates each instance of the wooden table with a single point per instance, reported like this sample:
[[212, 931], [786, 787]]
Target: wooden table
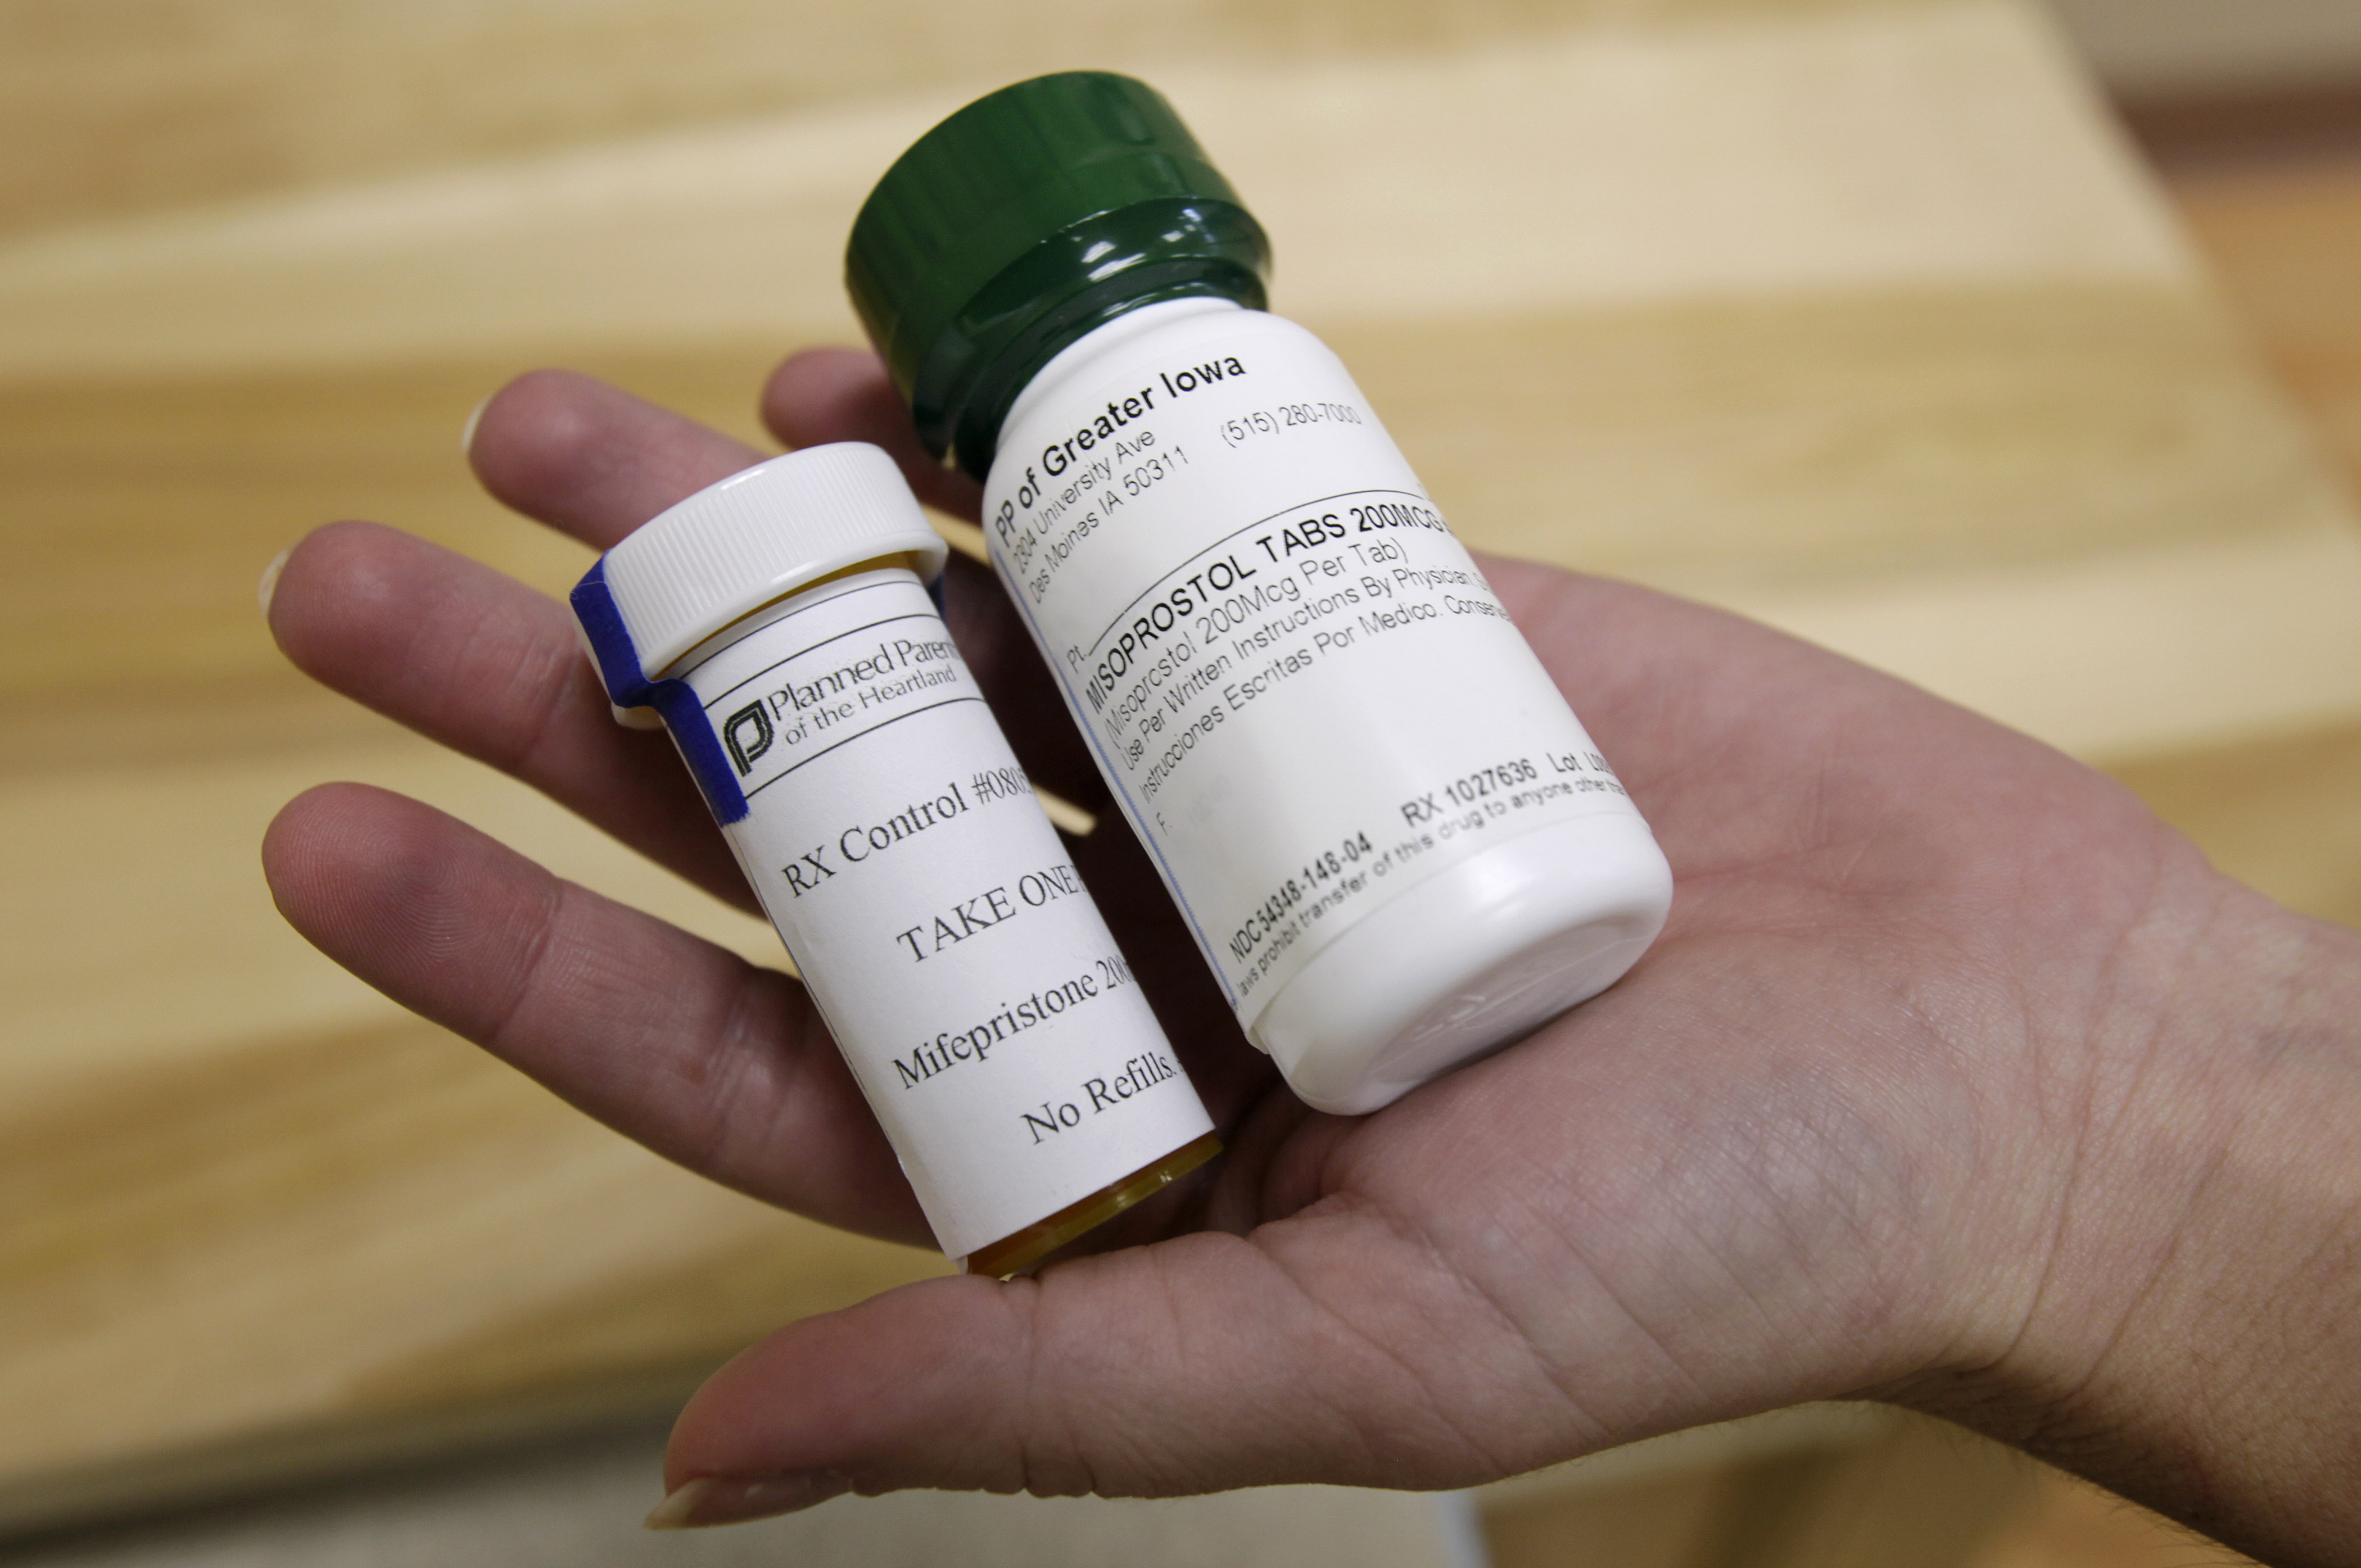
[[1855, 317]]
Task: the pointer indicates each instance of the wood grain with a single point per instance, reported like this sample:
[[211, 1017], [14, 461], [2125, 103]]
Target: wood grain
[[168, 104], [2070, 1523], [2283, 238], [1917, 1493], [1855, 317]]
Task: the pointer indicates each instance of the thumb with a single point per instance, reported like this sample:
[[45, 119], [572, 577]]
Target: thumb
[[1322, 1348]]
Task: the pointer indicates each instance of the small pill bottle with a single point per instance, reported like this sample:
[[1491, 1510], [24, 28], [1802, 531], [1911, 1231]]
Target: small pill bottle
[[778, 624], [1393, 841]]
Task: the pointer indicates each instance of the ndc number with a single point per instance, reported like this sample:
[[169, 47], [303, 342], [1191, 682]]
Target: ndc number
[[1262, 921], [1325, 866], [1330, 863]]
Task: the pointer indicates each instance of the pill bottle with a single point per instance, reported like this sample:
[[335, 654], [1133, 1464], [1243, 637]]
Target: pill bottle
[[1391, 839], [779, 625]]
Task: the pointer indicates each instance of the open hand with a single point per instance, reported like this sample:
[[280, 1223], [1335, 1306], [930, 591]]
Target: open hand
[[1920, 1094]]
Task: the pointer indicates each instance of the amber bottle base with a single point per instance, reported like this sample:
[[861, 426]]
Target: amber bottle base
[[1014, 1253]]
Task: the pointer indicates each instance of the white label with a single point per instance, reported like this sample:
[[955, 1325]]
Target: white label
[[935, 915], [1304, 693]]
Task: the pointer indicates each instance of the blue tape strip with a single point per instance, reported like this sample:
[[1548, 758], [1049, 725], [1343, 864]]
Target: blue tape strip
[[628, 687]]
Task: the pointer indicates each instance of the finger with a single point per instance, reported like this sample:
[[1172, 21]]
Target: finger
[[844, 394], [493, 670], [591, 460], [1200, 1363], [704, 1058]]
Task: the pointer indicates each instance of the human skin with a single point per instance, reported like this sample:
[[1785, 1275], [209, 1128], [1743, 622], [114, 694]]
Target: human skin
[[1957, 1079]]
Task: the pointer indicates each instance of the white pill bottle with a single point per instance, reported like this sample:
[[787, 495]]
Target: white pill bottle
[[1390, 836], [778, 624]]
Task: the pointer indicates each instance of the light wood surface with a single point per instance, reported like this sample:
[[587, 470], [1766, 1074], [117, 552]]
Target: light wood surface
[[2197, 51], [1855, 316], [1885, 1490], [2282, 238], [180, 103]]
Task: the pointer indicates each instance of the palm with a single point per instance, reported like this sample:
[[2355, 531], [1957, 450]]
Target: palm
[[1747, 1175]]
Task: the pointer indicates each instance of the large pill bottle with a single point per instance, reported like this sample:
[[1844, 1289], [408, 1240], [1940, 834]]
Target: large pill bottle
[[1393, 841], [779, 625]]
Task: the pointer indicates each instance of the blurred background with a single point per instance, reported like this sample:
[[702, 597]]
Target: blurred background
[[2013, 350]]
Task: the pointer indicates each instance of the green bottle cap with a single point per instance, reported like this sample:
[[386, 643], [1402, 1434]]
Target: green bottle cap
[[1022, 222]]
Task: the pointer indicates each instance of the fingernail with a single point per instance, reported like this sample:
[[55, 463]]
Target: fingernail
[[468, 430], [734, 1499], [270, 584]]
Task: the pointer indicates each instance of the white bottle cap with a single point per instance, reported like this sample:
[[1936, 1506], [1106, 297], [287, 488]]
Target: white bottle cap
[[734, 546]]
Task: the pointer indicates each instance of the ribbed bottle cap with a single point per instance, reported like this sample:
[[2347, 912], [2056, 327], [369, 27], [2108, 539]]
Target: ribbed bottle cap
[[1022, 222], [734, 546]]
